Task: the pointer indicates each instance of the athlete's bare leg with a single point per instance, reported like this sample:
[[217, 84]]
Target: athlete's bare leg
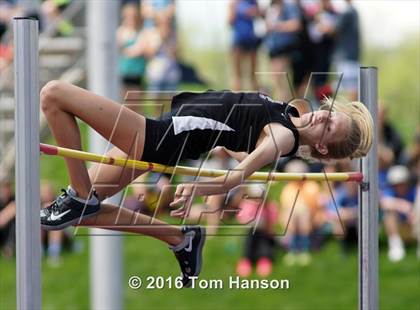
[[122, 219], [62, 103]]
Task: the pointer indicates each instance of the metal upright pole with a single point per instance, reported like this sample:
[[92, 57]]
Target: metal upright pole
[[105, 246], [28, 240], [368, 211]]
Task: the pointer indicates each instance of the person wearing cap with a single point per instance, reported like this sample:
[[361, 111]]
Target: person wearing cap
[[397, 201]]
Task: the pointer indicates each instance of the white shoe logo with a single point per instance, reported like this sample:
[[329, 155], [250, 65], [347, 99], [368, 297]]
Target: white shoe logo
[[189, 246], [57, 217]]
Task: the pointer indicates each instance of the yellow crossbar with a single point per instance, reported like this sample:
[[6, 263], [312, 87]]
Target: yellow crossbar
[[191, 171]]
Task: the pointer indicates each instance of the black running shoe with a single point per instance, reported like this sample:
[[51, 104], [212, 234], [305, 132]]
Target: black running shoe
[[189, 253], [67, 210]]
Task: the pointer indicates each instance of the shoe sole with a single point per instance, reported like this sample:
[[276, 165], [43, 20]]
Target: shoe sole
[[199, 256], [67, 224]]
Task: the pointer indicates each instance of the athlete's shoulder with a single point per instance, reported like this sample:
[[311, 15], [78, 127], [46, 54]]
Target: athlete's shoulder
[[269, 99], [282, 137]]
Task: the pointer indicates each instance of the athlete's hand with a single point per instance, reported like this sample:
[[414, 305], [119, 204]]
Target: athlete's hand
[[184, 195]]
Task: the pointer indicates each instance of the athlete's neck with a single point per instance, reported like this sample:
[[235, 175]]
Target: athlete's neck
[[304, 138]]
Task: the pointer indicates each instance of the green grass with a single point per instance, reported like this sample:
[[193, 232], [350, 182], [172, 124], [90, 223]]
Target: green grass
[[330, 282]]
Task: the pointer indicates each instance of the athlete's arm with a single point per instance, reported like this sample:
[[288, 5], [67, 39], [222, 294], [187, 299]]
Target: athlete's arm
[[277, 141], [239, 156]]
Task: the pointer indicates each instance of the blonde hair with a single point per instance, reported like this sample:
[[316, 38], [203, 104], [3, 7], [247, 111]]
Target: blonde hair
[[359, 139]]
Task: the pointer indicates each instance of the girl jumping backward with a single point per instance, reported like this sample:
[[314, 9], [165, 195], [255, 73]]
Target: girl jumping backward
[[252, 127]]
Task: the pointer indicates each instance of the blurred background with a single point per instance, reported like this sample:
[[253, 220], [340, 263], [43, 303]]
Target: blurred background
[[307, 232]]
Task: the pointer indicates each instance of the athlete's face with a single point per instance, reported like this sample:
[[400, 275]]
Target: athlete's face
[[325, 127]]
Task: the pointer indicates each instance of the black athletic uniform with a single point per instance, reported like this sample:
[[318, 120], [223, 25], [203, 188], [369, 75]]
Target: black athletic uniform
[[198, 122]]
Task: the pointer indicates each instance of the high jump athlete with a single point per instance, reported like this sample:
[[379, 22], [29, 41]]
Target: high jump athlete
[[252, 127]]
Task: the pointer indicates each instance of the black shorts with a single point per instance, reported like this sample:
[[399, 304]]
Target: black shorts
[[247, 46], [161, 145], [282, 51]]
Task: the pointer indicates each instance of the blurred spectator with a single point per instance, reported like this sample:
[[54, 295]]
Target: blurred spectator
[[216, 209], [416, 220], [157, 44], [283, 24], [151, 194], [299, 201], [414, 165], [52, 240], [389, 137], [215, 206], [7, 219], [414, 154], [131, 67], [397, 204], [137, 200], [163, 72], [242, 14], [212, 210], [322, 32], [347, 52], [6, 54], [152, 10], [303, 56], [385, 160], [345, 203], [342, 206], [51, 10], [259, 243], [7, 11]]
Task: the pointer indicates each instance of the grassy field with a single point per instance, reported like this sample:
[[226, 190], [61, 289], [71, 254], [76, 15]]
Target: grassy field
[[330, 282]]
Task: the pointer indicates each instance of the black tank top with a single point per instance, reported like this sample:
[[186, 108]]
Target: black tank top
[[224, 118]]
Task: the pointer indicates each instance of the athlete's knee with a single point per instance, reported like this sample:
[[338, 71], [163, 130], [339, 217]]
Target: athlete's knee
[[50, 95]]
